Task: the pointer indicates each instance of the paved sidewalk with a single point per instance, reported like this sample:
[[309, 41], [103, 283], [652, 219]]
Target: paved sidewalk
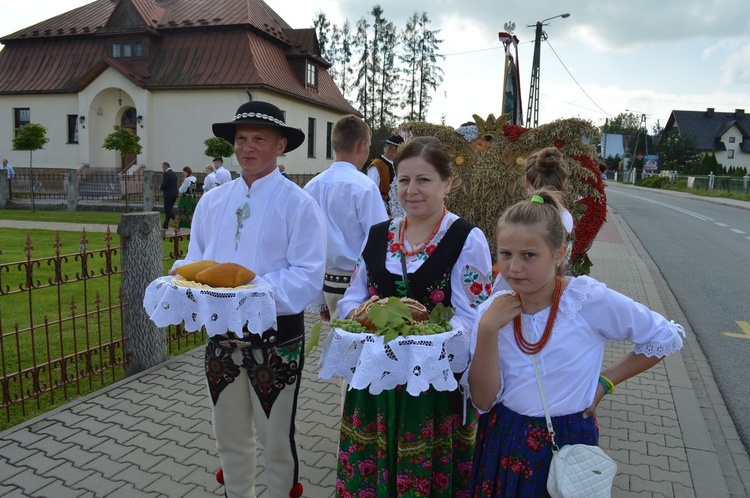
[[150, 435]]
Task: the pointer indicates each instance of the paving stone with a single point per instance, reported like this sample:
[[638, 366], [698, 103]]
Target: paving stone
[[58, 489], [7, 470], [50, 447], [13, 453], [100, 485], [68, 473], [170, 488], [40, 463], [140, 479], [129, 491], [172, 449], [29, 481], [79, 455], [106, 466]]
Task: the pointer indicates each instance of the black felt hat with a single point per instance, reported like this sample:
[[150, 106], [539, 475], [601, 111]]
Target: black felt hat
[[264, 114], [395, 140]]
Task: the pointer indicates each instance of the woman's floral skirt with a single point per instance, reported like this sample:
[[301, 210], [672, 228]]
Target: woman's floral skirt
[[513, 452], [394, 444]]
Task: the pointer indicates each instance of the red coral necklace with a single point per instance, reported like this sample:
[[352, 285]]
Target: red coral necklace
[[534, 347], [424, 243]]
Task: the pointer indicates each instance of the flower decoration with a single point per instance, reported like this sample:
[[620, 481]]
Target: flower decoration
[[559, 143], [520, 161], [459, 160], [514, 132]]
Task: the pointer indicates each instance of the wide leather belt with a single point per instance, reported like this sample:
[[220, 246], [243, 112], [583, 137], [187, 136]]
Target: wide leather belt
[[342, 279], [290, 328]]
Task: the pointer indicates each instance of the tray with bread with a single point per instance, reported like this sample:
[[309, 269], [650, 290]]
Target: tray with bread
[[395, 341], [218, 296]]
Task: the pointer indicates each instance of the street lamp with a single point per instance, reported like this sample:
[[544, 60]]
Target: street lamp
[[534, 90]]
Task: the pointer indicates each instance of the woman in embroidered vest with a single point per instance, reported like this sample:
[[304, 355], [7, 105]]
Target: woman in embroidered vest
[[187, 202], [394, 444], [564, 322]]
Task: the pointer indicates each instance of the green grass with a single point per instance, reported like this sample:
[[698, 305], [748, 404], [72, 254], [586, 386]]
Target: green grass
[[91, 217]]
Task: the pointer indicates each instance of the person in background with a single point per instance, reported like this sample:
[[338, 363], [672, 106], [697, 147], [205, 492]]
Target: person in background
[[282, 169], [170, 192], [269, 225], [381, 170], [347, 223], [564, 322], [543, 169], [11, 173], [186, 206], [209, 181], [418, 445], [222, 174]]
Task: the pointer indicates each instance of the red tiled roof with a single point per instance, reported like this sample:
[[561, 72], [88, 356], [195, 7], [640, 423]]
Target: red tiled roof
[[194, 44]]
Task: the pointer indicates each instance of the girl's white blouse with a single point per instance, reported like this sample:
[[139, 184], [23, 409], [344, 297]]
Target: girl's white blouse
[[590, 314]]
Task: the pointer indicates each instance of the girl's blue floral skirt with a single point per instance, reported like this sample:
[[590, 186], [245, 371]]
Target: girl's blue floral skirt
[[513, 452]]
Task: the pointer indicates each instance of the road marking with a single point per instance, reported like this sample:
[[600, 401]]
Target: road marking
[[736, 231], [722, 224], [744, 326], [684, 211]]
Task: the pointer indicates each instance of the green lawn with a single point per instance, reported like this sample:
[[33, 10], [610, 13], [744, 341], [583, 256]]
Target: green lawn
[[94, 217]]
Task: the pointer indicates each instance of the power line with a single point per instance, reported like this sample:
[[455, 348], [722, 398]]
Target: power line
[[576, 81]]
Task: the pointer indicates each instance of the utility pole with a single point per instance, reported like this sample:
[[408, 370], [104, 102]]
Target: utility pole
[[641, 126], [533, 108]]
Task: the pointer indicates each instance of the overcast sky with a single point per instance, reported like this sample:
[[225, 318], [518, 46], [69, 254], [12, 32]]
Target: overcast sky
[[649, 57]]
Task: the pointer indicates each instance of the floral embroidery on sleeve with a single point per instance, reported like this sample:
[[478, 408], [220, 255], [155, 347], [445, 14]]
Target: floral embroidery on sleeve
[[476, 285]]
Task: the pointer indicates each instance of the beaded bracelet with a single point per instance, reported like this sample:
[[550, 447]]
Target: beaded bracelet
[[607, 384]]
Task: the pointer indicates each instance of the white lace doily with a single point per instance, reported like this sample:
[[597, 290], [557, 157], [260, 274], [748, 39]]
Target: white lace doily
[[416, 361], [218, 310]]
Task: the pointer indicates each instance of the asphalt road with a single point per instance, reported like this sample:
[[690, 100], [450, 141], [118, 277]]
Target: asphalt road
[[703, 251]]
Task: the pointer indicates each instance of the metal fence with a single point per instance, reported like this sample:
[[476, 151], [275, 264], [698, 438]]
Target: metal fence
[[62, 332], [137, 191]]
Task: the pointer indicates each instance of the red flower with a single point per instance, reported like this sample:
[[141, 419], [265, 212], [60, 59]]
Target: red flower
[[372, 290], [441, 480], [559, 143], [464, 469], [403, 483], [394, 247], [488, 288], [437, 296], [367, 467], [391, 235], [430, 249], [428, 431], [476, 288], [423, 485], [514, 132]]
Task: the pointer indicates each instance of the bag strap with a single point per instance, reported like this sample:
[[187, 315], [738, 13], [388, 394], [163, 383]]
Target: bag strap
[[550, 429]]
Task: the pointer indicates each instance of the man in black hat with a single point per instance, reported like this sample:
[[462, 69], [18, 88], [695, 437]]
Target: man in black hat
[[381, 170], [271, 226]]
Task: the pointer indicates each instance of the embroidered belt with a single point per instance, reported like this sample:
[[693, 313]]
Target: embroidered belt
[[341, 279], [290, 328]]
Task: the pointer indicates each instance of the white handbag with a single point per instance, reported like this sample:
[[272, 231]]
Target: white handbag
[[577, 470]]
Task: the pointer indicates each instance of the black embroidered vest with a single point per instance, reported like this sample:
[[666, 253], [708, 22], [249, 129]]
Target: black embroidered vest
[[431, 283]]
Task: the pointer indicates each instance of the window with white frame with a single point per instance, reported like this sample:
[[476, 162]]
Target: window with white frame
[[730, 154], [311, 78], [731, 140]]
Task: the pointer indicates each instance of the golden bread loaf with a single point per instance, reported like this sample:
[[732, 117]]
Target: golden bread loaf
[[225, 275], [190, 270]]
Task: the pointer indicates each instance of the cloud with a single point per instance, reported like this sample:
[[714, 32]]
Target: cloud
[[736, 69]]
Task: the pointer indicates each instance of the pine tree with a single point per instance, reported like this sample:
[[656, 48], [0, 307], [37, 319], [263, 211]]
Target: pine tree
[[409, 57], [362, 45], [431, 75]]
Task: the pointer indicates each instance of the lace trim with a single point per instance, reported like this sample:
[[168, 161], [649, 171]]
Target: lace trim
[[665, 349], [575, 294]]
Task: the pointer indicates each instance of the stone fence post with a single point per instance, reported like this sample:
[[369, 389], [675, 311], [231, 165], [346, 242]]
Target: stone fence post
[[141, 259], [71, 189], [148, 190], [3, 188]]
